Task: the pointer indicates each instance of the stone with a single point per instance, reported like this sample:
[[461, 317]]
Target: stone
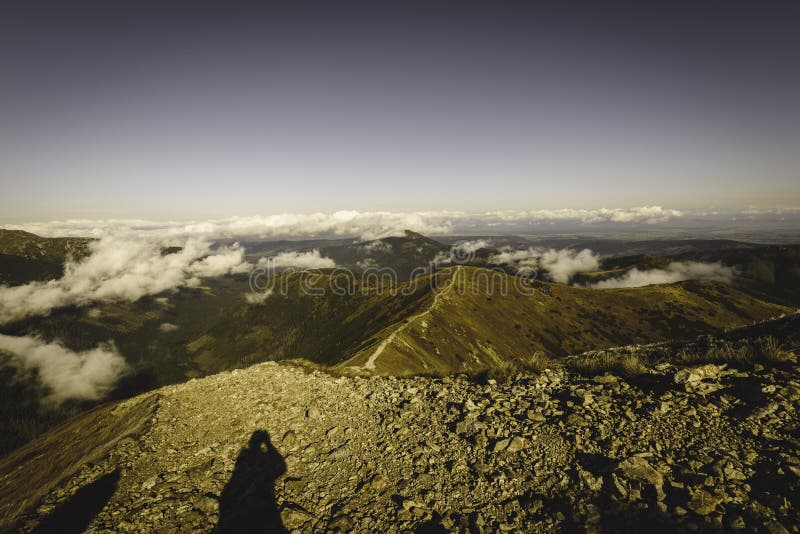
[[703, 502], [516, 444], [501, 445], [637, 468]]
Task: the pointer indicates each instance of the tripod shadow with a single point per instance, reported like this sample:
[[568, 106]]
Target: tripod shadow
[[77, 513], [248, 501]]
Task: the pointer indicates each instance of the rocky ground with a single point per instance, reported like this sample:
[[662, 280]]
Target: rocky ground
[[700, 448]]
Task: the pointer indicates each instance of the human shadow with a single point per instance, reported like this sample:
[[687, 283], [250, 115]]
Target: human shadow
[[247, 503], [77, 513]]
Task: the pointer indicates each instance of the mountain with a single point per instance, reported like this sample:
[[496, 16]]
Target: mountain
[[26, 257], [675, 448], [404, 254], [431, 326], [33, 247], [377, 325], [466, 398], [768, 272]]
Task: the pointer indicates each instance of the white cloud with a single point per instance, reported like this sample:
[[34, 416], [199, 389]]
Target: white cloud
[[258, 298], [471, 247], [367, 263], [642, 214], [560, 264], [88, 375], [311, 259], [365, 225], [122, 268], [371, 247], [462, 252], [675, 272]]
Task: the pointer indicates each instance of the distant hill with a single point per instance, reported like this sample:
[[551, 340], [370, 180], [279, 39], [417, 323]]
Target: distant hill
[[26, 257], [769, 272], [403, 253]]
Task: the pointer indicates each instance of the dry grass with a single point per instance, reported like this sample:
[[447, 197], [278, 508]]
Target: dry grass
[[765, 349], [627, 365], [770, 349], [501, 373]]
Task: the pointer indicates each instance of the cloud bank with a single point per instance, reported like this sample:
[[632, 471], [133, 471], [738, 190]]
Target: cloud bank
[[561, 264], [122, 268], [676, 271], [68, 375], [364, 225]]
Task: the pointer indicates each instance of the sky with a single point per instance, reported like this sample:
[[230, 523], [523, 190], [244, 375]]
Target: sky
[[196, 112]]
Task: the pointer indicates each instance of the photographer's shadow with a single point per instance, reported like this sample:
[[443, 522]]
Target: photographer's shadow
[[248, 501]]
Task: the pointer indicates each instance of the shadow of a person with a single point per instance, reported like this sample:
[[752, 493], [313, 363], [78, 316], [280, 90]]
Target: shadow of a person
[[247, 503]]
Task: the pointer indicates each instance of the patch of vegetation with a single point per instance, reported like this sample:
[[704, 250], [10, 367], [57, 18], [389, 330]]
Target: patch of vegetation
[[746, 352], [502, 372], [600, 364]]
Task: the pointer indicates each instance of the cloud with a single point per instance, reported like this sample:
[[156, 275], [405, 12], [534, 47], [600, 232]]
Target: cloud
[[471, 247], [367, 263], [258, 298], [68, 375], [462, 252], [122, 268], [371, 247], [168, 327], [364, 225], [560, 264], [311, 259], [642, 214], [676, 271]]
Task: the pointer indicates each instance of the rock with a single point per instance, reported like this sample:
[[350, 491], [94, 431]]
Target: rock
[[340, 523], [637, 468], [703, 502], [516, 444], [368, 455], [289, 438], [701, 379], [294, 517], [501, 445], [151, 482], [208, 504]]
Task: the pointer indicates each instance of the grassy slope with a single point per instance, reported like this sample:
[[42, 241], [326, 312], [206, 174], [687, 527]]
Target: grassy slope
[[469, 329]]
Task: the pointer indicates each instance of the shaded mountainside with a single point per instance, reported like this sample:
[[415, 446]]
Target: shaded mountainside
[[552, 451], [34, 247], [26, 257], [770, 272]]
